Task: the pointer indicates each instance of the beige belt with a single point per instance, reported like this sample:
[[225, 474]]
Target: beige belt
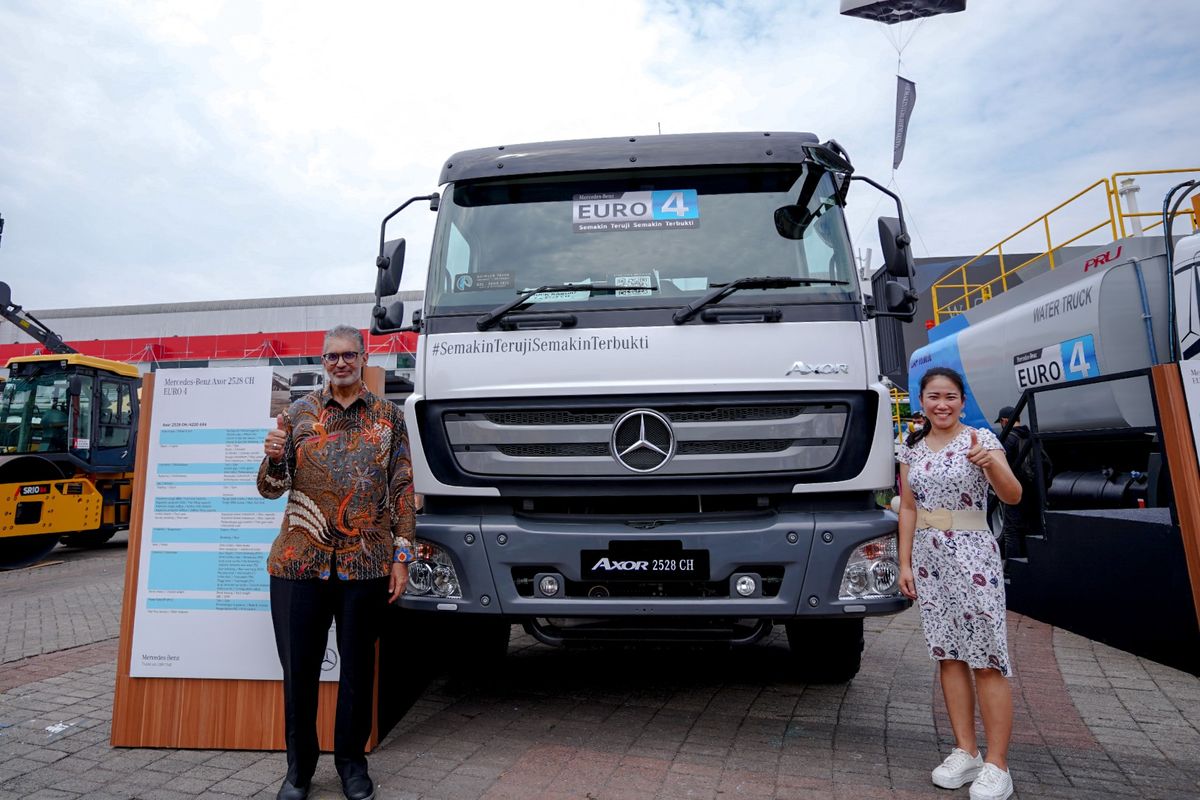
[[946, 520]]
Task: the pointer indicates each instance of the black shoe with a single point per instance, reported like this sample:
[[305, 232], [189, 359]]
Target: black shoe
[[289, 792], [358, 786]]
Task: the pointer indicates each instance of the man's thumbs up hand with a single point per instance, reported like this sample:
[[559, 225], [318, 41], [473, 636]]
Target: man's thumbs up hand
[[276, 440]]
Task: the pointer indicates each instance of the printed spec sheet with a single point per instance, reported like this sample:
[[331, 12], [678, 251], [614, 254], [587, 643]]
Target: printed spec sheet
[[203, 602]]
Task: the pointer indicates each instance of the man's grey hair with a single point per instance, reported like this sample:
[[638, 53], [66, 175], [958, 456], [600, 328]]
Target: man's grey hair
[[346, 332]]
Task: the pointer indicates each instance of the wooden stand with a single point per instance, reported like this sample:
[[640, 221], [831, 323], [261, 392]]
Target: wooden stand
[[1180, 449], [201, 713]]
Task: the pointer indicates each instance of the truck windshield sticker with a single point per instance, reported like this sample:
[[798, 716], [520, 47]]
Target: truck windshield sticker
[[1072, 360], [635, 211], [483, 281], [563, 297], [633, 281]]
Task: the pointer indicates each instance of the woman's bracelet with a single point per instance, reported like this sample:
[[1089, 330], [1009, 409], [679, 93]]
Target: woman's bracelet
[[402, 555]]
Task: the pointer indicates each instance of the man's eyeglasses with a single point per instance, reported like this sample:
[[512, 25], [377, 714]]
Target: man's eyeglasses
[[332, 358]]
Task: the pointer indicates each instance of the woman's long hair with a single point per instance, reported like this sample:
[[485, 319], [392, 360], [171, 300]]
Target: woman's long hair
[[930, 374]]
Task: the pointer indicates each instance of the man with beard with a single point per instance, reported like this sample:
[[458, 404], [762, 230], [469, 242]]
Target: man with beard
[[342, 554]]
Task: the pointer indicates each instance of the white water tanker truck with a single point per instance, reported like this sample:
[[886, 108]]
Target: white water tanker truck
[[647, 400], [1111, 310], [1084, 353]]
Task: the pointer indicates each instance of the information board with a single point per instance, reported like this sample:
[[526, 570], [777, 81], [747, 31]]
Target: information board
[[203, 601], [1189, 371]]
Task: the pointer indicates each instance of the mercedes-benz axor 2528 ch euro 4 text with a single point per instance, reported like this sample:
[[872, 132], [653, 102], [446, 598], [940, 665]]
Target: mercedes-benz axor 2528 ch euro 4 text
[[647, 401]]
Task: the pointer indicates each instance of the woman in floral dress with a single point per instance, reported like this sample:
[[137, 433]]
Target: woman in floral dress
[[950, 565]]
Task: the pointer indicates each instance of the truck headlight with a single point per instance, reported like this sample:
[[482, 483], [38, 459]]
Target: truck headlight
[[445, 582], [873, 570], [432, 573], [884, 577], [855, 581]]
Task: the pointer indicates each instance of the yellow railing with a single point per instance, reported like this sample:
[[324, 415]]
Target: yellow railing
[[953, 293], [1155, 215], [898, 398]]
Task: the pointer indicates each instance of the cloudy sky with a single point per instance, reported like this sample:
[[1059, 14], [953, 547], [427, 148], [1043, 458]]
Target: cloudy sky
[[173, 151]]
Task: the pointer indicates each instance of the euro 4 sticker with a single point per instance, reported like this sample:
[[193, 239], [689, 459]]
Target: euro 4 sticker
[[634, 211], [1072, 360]]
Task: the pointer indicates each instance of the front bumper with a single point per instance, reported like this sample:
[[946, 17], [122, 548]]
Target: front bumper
[[808, 550]]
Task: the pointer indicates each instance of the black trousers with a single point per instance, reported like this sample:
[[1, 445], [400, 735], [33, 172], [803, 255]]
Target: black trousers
[[1021, 520], [301, 612]]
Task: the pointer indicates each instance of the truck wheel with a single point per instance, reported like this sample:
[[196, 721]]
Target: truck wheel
[[87, 538], [478, 646], [826, 650], [486, 639]]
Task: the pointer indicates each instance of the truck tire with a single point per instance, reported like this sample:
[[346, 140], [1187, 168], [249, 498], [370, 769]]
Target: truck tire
[[484, 640], [826, 650], [475, 649]]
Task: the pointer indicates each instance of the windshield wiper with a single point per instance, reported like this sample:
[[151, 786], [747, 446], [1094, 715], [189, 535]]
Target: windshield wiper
[[492, 317], [721, 291]]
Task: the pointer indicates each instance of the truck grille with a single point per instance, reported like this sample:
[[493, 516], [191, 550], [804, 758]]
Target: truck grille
[[715, 440], [735, 414]]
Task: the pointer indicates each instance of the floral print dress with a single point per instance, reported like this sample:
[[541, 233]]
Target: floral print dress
[[959, 577]]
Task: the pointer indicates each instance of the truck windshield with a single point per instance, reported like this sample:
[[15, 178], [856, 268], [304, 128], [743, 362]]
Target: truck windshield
[[34, 413], [667, 235]]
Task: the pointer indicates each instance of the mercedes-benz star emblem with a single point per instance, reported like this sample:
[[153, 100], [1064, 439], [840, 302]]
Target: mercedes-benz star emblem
[[642, 440]]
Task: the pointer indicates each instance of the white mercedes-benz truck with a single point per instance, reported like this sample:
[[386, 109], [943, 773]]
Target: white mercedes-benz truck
[[648, 400]]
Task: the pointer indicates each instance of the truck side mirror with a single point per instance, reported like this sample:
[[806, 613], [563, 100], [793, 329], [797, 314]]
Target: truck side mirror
[[391, 267], [899, 300], [897, 255], [387, 319], [74, 386]]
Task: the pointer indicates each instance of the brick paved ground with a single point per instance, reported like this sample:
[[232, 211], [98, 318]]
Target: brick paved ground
[[73, 599], [639, 723]]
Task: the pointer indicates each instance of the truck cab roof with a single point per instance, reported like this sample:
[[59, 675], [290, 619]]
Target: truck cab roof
[[626, 152]]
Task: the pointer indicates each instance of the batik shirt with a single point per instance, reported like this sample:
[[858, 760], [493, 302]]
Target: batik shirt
[[350, 481]]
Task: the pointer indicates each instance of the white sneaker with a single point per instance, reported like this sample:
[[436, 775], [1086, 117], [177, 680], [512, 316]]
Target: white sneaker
[[958, 769], [993, 783]]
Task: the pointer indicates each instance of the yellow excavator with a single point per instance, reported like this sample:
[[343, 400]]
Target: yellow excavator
[[68, 429]]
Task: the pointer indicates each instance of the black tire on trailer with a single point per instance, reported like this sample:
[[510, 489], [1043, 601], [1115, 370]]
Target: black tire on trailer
[[88, 538], [825, 650]]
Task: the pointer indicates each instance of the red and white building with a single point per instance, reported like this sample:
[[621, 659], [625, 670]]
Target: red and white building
[[282, 332]]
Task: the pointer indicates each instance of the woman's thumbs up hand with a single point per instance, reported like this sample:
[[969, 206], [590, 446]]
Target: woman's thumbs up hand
[[984, 459]]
